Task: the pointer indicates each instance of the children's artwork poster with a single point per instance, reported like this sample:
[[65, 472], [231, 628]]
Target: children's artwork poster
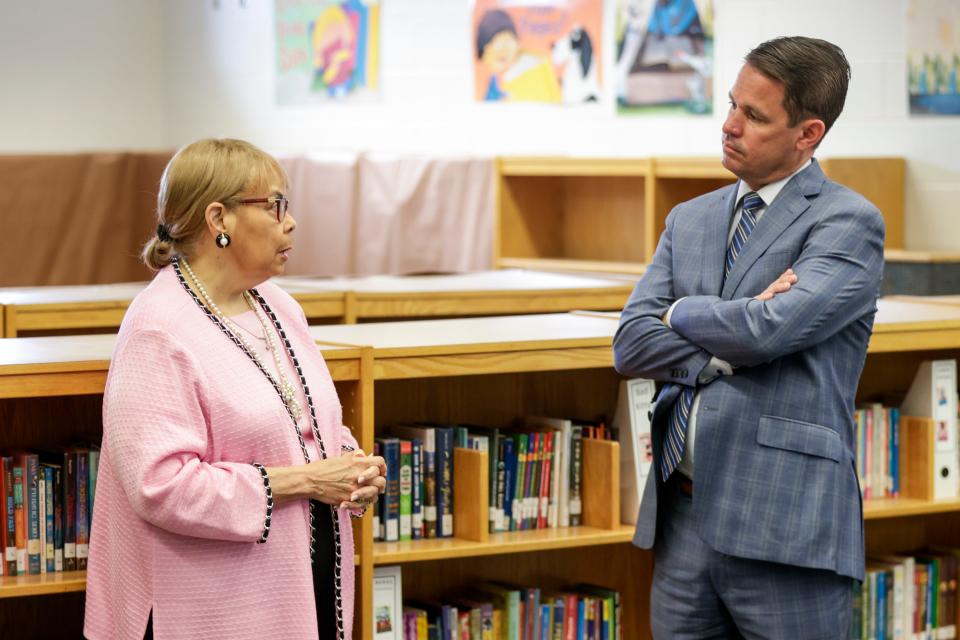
[[933, 57], [327, 50], [546, 51], [664, 54]]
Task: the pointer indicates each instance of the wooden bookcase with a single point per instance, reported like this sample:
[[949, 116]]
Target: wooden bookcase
[[482, 370], [51, 395], [605, 214], [35, 311], [496, 371]]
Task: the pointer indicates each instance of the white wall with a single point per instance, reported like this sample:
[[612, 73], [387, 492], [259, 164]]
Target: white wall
[[78, 76], [215, 77]]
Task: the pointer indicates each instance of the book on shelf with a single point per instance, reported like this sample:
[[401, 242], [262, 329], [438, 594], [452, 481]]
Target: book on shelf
[[9, 518], [428, 492], [415, 623], [908, 596], [877, 432], [31, 509], [417, 489], [387, 603], [560, 474], [36, 510], [390, 514], [576, 475], [632, 420], [82, 506], [933, 394], [406, 489], [494, 610], [444, 481], [486, 439]]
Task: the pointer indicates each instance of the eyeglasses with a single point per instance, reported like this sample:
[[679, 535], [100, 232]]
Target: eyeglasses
[[280, 204]]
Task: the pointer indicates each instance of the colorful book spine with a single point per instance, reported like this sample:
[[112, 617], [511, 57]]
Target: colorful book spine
[[416, 510], [50, 517], [69, 512], [576, 474], [406, 490], [42, 513], [9, 519], [83, 509], [21, 523], [390, 450], [58, 508], [444, 441], [31, 479], [94, 468], [509, 483]]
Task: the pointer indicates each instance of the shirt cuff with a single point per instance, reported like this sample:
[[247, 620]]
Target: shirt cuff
[[666, 316], [714, 369]]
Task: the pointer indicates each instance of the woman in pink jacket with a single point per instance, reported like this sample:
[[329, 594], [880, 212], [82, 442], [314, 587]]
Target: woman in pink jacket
[[227, 479]]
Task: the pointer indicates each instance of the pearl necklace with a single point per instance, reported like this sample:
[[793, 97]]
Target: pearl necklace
[[287, 393]]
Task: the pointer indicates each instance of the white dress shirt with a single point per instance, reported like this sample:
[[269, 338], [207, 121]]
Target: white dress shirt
[[717, 367]]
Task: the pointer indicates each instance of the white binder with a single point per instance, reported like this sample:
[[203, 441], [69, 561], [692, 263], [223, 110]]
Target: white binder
[[933, 394], [632, 419]]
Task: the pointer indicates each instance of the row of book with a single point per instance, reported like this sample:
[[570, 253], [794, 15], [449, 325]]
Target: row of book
[[908, 596], [924, 428], [878, 451], [46, 503], [494, 611], [535, 478]]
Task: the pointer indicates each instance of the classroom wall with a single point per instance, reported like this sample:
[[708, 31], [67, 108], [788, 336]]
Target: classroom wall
[[190, 70], [79, 76]]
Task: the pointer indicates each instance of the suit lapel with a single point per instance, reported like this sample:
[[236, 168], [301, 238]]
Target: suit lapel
[[715, 244], [789, 204]]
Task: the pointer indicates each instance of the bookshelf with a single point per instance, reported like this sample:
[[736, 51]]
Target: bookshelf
[[98, 308], [481, 370], [606, 214], [51, 393], [494, 371]]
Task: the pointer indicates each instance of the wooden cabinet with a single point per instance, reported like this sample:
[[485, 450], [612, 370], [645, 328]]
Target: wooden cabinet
[[495, 371], [482, 370], [605, 214], [51, 395]]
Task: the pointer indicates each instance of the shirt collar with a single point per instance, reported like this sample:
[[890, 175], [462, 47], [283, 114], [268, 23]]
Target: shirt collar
[[769, 193]]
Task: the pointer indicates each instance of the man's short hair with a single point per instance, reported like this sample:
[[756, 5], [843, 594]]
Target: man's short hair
[[814, 74]]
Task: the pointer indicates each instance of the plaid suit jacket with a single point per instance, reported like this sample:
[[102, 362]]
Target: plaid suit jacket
[[775, 472]]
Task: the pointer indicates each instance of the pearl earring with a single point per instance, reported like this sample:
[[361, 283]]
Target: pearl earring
[[223, 240]]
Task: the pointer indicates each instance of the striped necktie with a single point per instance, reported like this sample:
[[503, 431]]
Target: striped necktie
[[676, 437]]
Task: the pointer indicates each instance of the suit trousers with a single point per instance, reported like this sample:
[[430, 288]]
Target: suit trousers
[[701, 593]]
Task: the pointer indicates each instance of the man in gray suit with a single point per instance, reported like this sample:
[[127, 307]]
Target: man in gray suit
[[755, 313]]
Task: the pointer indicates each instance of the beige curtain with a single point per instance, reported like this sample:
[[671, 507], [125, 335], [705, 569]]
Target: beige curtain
[[82, 218]]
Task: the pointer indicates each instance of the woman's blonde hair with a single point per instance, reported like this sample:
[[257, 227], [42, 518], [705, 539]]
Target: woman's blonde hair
[[200, 173]]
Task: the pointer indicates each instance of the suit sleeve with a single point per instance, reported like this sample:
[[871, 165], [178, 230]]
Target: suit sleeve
[[838, 271], [157, 432], [643, 345]]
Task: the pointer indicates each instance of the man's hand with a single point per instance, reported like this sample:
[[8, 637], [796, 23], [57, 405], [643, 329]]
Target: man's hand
[[781, 285]]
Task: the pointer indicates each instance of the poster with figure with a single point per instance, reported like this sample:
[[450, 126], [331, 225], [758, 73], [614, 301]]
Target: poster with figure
[[664, 59], [327, 50], [546, 51], [933, 57]]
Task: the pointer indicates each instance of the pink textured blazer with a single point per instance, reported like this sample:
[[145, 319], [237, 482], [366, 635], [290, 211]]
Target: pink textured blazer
[[179, 507]]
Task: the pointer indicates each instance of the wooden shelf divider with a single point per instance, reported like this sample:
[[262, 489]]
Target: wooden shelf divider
[[601, 483], [471, 495]]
